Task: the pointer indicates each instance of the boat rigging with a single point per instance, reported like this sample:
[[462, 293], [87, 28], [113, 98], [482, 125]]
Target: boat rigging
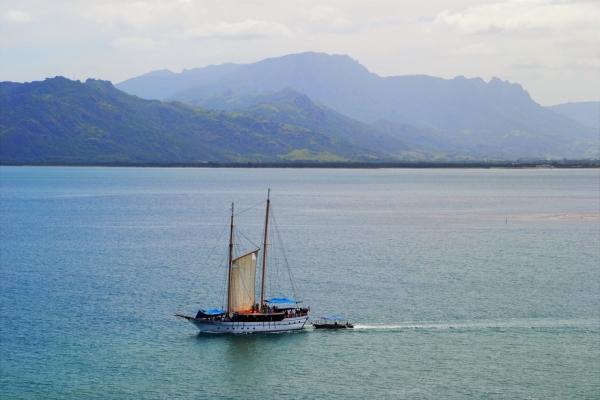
[[243, 314]]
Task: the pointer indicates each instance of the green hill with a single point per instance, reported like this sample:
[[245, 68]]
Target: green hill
[[63, 121], [396, 139], [291, 107], [401, 141]]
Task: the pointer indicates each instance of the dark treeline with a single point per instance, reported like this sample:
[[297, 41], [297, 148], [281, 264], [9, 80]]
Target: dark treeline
[[348, 165]]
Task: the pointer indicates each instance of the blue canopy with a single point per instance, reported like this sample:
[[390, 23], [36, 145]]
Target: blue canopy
[[209, 313], [280, 300], [333, 318]]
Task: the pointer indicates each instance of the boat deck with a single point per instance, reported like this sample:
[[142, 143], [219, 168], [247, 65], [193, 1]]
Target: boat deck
[[287, 324]]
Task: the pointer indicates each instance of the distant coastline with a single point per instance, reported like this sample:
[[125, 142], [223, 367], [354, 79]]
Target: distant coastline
[[335, 165], [60, 121]]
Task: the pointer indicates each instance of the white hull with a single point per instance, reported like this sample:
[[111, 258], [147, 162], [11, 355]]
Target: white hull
[[287, 324]]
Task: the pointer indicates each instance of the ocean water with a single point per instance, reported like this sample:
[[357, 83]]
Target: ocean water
[[461, 283]]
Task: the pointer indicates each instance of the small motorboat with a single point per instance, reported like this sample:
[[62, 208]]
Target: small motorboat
[[332, 322]]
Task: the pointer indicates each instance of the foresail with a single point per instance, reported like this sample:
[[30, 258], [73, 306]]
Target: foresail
[[242, 285]]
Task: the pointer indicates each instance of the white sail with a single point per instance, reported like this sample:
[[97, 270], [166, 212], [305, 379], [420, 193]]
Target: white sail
[[243, 276]]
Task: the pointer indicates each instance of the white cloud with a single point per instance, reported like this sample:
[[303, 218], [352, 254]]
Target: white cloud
[[519, 15], [137, 43], [581, 46], [139, 14], [118, 39], [475, 49], [528, 64], [330, 16], [329, 19], [246, 30], [579, 66], [17, 16]]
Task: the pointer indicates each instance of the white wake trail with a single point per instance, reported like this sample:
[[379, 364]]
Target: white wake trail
[[482, 325]]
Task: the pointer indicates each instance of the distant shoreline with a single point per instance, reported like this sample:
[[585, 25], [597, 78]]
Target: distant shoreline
[[335, 165]]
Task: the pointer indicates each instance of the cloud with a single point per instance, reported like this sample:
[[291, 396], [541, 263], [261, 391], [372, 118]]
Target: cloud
[[17, 16], [137, 43], [528, 63], [139, 14], [518, 15], [246, 30], [582, 66], [475, 49], [329, 15], [582, 46], [328, 19]]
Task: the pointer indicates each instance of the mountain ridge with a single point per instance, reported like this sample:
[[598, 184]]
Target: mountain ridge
[[487, 112], [59, 120], [159, 84], [395, 138]]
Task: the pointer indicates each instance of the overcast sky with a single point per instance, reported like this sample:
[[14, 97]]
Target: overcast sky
[[552, 48]]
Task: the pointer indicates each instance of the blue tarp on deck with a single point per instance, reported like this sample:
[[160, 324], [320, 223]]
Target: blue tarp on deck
[[209, 313], [280, 300]]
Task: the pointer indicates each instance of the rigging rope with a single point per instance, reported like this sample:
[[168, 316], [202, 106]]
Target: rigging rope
[[287, 265], [215, 276], [200, 271], [237, 231], [248, 209], [187, 293], [223, 293], [273, 257]]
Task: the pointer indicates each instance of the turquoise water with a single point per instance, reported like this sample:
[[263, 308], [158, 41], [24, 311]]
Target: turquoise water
[[461, 283]]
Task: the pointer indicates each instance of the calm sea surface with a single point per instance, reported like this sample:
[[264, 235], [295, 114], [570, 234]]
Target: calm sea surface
[[461, 283]]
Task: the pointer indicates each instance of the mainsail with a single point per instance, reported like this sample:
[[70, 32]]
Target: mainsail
[[243, 277]]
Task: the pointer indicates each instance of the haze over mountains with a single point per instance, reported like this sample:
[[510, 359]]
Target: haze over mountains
[[306, 106], [496, 117], [586, 113]]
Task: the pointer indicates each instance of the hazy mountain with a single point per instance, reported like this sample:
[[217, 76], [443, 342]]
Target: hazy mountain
[[400, 139], [61, 121], [429, 141], [161, 84], [291, 107], [330, 80], [229, 101], [486, 112], [586, 113]]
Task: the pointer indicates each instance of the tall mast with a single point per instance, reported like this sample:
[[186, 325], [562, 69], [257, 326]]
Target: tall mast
[[264, 260], [230, 263]]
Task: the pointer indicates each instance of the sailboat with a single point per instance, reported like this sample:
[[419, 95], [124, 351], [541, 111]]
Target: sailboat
[[243, 313]]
